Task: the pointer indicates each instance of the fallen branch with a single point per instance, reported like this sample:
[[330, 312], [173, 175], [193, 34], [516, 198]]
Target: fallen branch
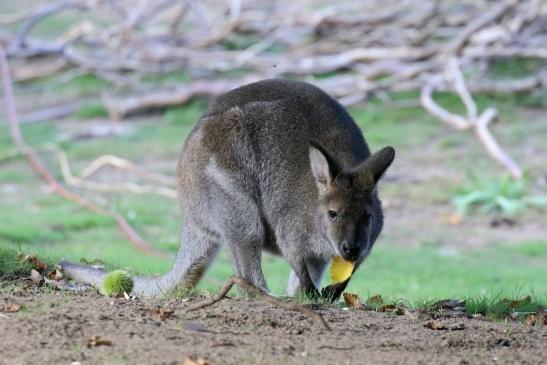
[[478, 122], [455, 46], [110, 187], [51, 113], [123, 164], [245, 285], [120, 107], [38, 166]]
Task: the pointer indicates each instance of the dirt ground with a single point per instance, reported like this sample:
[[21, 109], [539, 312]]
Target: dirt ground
[[55, 328]]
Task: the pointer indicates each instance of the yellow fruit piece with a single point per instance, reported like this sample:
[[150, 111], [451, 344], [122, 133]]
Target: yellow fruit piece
[[340, 270]]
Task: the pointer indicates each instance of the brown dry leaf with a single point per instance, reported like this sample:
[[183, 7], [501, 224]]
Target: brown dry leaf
[[196, 361], [12, 307], [36, 277], [161, 313], [531, 320], [435, 325], [405, 312], [515, 303], [438, 326], [34, 261], [98, 341], [387, 308], [375, 301], [519, 302], [352, 300], [454, 219], [55, 274]]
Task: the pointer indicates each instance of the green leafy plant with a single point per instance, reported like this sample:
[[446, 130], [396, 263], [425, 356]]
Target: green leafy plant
[[504, 195]]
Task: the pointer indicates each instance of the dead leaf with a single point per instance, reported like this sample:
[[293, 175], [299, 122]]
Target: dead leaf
[[512, 304], [340, 269], [12, 307], [36, 277], [405, 312], [522, 301], [438, 326], [375, 301], [161, 313], [196, 361], [353, 300], [454, 219], [387, 308], [98, 341], [435, 325], [531, 320], [55, 274], [34, 261]]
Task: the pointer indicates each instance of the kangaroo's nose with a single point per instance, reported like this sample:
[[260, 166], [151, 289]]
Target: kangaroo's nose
[[345, 247], [348, 251]]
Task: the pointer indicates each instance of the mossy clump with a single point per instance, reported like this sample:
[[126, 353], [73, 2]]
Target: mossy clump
[[116, 283]]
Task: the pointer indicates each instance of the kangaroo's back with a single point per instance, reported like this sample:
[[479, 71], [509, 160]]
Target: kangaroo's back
[[298, 105]]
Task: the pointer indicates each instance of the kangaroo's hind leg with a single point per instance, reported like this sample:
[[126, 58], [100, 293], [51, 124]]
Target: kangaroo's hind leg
[[198, 248], [243, 233]]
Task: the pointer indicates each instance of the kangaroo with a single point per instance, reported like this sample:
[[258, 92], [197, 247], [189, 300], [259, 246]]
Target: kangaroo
[[275, 166]]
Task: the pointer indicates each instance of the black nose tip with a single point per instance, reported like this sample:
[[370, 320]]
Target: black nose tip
[[345, 247], [348, 251]]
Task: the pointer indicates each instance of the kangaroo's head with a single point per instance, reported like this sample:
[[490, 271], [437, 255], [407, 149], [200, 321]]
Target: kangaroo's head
[[348, 203]]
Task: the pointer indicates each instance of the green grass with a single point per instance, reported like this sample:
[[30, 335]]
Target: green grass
[[411, 274], [91, 110], [498, 306]]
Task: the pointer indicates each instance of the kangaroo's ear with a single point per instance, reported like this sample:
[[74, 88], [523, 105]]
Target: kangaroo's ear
[[323, 167], [374, 167]]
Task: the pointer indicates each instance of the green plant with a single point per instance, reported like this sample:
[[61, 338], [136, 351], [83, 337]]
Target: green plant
[[504, 195]]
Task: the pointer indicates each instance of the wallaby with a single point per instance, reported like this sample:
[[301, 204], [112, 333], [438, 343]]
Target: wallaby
[[275, 165]]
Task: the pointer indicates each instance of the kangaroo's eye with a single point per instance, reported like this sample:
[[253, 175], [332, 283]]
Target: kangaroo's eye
[[332, 215]]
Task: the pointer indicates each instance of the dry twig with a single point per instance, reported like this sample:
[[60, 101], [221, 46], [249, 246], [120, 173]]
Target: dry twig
[[245, 285]]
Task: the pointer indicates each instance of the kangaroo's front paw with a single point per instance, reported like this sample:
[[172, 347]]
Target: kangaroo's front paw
[[333, 292]]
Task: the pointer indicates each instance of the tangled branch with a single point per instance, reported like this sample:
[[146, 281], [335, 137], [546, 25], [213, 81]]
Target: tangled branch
[[371, 48]]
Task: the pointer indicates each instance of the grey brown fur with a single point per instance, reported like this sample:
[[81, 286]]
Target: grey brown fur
[[278, 166]]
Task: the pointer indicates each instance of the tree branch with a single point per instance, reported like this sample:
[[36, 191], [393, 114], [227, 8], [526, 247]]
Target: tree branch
[[245, 285]]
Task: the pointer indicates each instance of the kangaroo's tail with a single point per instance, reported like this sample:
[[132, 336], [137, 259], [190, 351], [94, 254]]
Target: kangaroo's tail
[[186, 273], [196, 252], [142, 285]]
